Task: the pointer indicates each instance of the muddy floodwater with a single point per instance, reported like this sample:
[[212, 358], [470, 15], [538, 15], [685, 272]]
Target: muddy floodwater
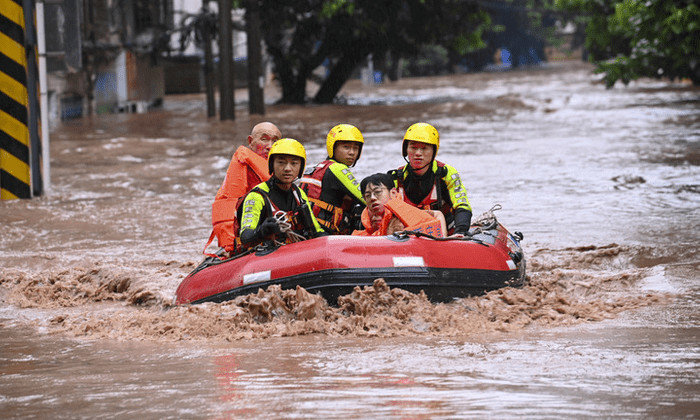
[[603, 184]]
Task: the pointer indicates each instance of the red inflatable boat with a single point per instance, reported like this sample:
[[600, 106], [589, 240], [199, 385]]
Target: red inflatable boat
[[333, 265]]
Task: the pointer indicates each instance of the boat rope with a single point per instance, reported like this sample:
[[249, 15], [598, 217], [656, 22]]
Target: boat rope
[[286, 227], [487, 220], [217, 259], [406, 233]]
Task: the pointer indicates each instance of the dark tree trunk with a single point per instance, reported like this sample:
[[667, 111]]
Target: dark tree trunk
[[256, 102], [292, 91], [226, 93], [208, 75], [394, 72], [341, 72], [291, 94]]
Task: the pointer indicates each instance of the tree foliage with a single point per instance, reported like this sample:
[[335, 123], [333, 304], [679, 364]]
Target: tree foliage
[[301, 35], [641, 38]]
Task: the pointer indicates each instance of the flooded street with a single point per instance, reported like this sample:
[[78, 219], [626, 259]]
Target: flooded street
[[604, 185]]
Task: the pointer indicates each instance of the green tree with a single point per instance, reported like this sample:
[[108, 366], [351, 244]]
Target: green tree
[[630, 39], [303, 34]]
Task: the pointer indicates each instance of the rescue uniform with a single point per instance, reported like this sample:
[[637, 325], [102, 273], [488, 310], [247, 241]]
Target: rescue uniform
[[440, 188], [333, 191], [411, 217], [264, 201], [246, 170]]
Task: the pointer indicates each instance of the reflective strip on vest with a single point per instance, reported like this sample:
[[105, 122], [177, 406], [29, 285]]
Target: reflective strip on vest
[[312, 181]]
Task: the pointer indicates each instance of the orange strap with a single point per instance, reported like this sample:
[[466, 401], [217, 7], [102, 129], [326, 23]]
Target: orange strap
[[336, 211], [204, 251], [322, 204]]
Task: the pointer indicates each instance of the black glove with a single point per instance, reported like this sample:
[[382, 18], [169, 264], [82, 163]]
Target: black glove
[[269, 227], [463, 220], [354, 218]]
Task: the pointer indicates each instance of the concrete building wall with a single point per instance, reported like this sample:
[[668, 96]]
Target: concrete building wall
[[112, 58]]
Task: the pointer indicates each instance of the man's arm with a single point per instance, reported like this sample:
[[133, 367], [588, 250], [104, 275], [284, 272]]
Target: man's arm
[[253, 205], [348, 181], [463, 219], [460, 203]]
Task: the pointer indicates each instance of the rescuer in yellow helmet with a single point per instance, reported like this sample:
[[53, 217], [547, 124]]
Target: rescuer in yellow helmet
[[276, 207], [331, 186], [430, 184]]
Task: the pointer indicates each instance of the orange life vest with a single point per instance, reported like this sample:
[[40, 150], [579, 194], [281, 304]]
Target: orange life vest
[[411, 217], [246, 170]]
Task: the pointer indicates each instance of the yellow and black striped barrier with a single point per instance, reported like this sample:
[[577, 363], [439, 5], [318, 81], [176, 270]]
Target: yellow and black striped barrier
[[15, 179]]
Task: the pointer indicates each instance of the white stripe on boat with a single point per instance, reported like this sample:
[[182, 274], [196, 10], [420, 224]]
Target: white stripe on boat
[[353, 238], [257, 277], [409, 262], [511, 264]]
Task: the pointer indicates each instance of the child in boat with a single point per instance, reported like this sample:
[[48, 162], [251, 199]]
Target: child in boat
[[387, 213], [331, 186], [277, 209], [247, 169], [430, 184]]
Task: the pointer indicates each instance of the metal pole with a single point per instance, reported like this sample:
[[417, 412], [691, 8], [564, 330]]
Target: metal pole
[[256, 81], [44, 95], [226, 92]]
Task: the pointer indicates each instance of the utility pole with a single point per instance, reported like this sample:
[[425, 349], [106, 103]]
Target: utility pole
[[226, 93], [256, 80], [43, 96]]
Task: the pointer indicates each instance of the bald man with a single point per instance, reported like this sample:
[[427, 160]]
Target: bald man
[[247, 169]]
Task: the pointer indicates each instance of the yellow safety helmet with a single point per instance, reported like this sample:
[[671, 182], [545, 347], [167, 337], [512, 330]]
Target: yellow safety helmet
[[344, 132], [287, 147], [421, 132]]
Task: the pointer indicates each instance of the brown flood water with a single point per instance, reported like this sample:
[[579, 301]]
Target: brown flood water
[[604, 184]]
